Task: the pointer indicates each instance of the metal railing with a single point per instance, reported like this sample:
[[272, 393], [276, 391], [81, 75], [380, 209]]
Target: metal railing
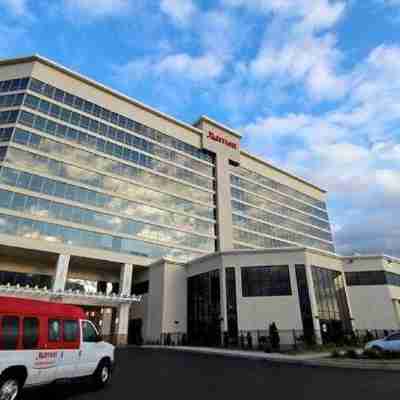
[[260, 339]]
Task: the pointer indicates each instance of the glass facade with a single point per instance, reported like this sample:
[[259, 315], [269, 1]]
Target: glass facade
[[82, 175], [333, 310], [112, 149], [266, 281], [35, 229], [43, 208], [23, 279], [204, 309], [103, 114], [372, 278], [305, 303], [76, 162], [231, 304], [267, 213], [13, 85]]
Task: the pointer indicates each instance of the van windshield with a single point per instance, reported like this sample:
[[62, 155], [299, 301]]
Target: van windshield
[[89, 333]]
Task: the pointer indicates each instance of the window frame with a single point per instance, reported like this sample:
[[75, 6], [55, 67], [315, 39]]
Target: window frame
[[35, 344], [64, 337], [3, 346], [49, 338]]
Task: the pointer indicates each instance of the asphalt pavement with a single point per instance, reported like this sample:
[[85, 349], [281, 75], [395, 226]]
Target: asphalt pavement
[[152, 373]]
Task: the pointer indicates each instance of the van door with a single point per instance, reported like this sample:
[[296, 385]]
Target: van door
[[69, 358], [30, 346], [89, 356]]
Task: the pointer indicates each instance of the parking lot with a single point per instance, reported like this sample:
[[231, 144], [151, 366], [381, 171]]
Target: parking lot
[[150, 373]]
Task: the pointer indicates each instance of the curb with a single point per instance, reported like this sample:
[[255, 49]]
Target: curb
[[322, 362]]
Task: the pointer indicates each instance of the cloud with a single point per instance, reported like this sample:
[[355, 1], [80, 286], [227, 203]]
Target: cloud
[[180, 11], [180, 65], [314, 15], [277, 70], [352, 150], [195, 68], [98, 8], [18, 8], [298, 48], [309, 60]]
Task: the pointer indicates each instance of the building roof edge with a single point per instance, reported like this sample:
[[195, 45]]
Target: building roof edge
[[290, 174], [98, 85], [218, 124]]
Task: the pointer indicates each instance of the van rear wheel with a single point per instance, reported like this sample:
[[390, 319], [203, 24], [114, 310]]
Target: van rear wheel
[[10, 388], [102, 374]]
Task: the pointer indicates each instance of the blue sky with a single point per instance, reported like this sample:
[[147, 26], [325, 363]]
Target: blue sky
[[314, 85]]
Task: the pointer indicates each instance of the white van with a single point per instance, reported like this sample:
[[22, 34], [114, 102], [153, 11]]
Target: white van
[[42, 342]]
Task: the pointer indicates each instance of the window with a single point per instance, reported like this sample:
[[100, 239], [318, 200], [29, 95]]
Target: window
[[30, 338], [365, 278], [396, 336], [54, 330], [9, 333], [331, 296], [89, 333], [71, 331], [141, 288], [266, 281]]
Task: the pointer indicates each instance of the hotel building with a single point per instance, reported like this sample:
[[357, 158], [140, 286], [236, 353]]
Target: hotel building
[[103, 199]]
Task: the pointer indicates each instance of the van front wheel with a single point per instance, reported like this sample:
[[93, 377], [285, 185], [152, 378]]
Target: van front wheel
[[102, 374], [9, 388]]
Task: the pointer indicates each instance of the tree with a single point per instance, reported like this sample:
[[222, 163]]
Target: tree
[[274, 337]]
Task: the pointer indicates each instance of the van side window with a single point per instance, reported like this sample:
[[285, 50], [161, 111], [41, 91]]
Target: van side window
[[71, 331], [88, 332], [30, 336], [9, 333], [54, 330]]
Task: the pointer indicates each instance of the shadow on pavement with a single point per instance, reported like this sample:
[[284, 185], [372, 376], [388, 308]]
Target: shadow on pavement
[[59, 391]]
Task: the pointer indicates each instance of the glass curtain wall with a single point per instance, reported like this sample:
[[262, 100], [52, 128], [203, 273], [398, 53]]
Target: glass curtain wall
[[267, 213], [125, 187], [204, 309], [333, 309]]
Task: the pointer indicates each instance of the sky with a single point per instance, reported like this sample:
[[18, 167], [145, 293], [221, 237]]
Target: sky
[[313, 85]]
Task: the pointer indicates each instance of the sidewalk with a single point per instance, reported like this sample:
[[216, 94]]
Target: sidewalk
[[306, 359], [255, 355]]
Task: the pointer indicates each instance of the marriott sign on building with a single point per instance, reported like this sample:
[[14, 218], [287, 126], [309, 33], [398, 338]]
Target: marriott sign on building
[[105, 201]]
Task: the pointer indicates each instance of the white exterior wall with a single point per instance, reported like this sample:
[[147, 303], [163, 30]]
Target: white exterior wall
[[374, 307], [256, 313], [175, 298], [155, 303]]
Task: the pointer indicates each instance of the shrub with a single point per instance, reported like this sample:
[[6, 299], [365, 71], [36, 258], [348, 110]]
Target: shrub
[[336, 354], [351, 353], [372, 354]]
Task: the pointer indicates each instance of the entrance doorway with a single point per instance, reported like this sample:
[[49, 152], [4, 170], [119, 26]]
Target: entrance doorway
[[204, 309], [135, 331]]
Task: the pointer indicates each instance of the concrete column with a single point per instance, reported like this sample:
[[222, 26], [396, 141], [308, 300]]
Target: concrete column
[[125, 284], [60, 278], [122, 325], [224, 205], [125, 287], [353, 323], [314, 305], [106, 323]]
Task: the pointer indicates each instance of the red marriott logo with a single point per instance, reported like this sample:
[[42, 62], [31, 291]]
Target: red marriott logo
[[220, 139]]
